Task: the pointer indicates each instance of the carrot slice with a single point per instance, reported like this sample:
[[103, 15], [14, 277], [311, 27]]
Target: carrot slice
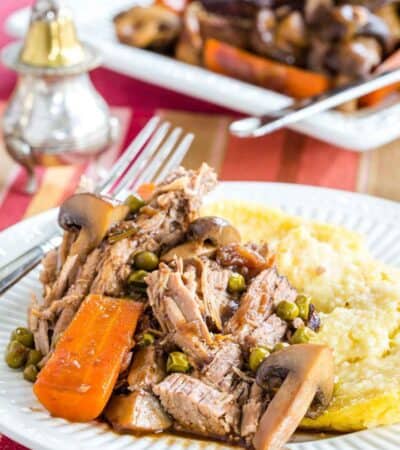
[[372, 99], [227, 60], [78, 379], [375, 97], [146, 190]]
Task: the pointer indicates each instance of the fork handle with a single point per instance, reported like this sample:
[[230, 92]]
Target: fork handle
[[17, 268]]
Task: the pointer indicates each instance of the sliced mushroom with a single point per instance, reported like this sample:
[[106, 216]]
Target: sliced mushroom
[[357, 57], [153, 27], [204, 235], [190, 46], [214, 230], [284, 39], [377, 28], [92, 216], [231, 29], [245, 259], [389, 14], [139, 411], [308, 373]]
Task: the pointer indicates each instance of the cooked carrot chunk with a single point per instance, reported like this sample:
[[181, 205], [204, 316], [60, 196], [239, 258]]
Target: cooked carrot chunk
[[146, 190], [374, 98], [78, 379], [234, 62]]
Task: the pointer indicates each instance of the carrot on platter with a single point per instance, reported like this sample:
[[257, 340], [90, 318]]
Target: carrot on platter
[[390, 63], [234, 62], [79, 377]]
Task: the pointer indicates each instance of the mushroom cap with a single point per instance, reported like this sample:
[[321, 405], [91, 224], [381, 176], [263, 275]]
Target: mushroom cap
[[215, 230], [151, 26], [93, 216], [308, 374], [376, 27], [204, 235], [302, 360]]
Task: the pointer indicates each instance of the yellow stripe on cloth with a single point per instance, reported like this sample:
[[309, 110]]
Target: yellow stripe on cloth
[[378, 172], [211, 136], [56, 181]]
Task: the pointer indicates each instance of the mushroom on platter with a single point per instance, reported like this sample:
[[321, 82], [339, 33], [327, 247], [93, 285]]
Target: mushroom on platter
[[152, 27]]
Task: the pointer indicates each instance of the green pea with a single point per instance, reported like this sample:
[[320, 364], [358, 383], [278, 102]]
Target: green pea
[[134, 203], [136, 278], [236, 283], [177, 362], [287, 310], [257, 356], [31, 373], [146, 261], [280, 346], [34, 357], [302, 335], [147, 339], [16, 355], [24, 336], [303, 302]]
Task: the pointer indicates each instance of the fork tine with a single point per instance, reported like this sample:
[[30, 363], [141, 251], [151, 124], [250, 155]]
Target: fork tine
[[158, 159], [176, 158], [142, 159], [126, 158]]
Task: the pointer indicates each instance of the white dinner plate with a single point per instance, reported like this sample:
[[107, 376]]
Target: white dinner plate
[[363, 130], [23, 419]]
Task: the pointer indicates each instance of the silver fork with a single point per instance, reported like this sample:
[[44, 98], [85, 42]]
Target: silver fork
[[150, 156]]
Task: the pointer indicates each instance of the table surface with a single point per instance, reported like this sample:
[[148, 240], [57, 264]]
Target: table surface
[[284, 156]]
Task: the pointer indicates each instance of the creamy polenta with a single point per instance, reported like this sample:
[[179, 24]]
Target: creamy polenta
[[359, 300]]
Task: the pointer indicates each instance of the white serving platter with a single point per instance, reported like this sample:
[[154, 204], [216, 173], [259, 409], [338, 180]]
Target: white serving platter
[[360, 131], [24, 420]]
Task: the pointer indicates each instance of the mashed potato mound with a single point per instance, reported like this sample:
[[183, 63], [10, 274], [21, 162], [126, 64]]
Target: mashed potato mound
[[359, 300]]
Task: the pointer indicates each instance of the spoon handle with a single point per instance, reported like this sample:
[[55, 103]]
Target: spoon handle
[[303, 109]]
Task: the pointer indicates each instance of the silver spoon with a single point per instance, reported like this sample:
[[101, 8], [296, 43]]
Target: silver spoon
[[303, 109]]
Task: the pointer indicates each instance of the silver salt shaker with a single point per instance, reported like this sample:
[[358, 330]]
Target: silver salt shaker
[[55, 115]]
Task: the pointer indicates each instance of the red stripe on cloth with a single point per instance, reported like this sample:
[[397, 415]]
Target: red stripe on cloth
[[8, 444], [16, 201], [253, 159], [322, 164], [292, 151]]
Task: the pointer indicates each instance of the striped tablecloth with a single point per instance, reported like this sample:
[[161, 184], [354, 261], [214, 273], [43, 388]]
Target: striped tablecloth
[[284, 156]]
